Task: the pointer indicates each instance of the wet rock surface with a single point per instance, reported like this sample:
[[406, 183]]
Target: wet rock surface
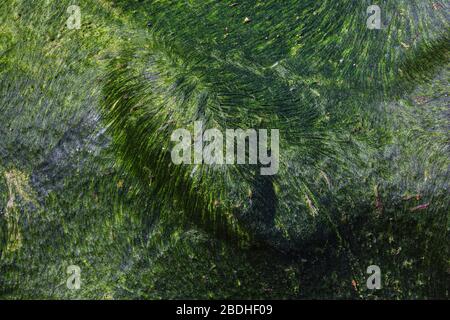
[[382, 199]]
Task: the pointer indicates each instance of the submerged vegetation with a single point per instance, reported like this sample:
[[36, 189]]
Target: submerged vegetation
[[86, 176]]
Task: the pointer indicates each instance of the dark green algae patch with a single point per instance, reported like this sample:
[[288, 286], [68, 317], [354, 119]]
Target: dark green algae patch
[[363, 116]]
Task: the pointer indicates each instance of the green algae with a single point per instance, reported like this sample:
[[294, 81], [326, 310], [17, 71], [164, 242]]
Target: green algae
[[366, 145]]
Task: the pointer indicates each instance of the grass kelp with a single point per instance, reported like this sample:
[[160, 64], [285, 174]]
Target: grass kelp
[[363, 118]]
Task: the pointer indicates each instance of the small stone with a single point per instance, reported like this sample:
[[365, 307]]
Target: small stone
[[247, 20]]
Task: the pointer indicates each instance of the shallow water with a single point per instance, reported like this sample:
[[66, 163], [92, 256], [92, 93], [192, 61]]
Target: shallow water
[[363, 115]]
